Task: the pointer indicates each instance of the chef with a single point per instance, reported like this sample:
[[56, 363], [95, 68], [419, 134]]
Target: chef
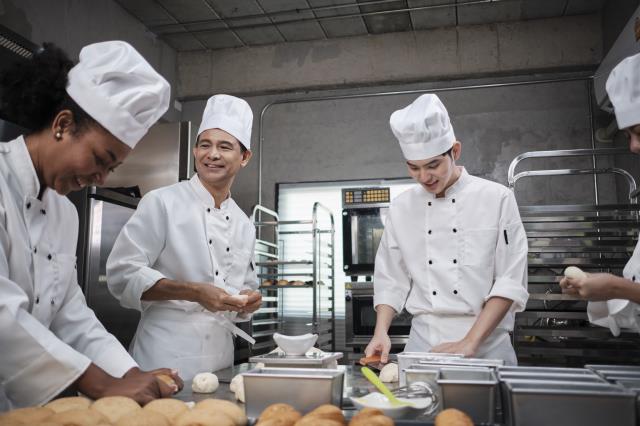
[[187, 253], [613, 299], [85, 119], [453, 252]]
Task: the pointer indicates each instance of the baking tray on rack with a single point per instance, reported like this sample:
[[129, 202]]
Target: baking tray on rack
[[314, 360]]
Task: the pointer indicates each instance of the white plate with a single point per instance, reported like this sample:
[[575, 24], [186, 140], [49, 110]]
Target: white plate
[[378, 400]]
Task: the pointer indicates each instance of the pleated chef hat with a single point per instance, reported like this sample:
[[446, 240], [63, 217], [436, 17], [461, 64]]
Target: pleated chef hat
[[116, 86], [231, 114], [423, 128], [623, 87]]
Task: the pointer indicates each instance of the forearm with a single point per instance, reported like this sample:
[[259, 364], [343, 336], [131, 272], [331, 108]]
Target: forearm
[[625, 289], [384, 316], [94, 382], [492, 313], [166, 289]]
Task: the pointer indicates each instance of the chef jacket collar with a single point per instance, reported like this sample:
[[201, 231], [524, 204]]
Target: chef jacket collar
[[205, 196], [23, 168], [463, 181]]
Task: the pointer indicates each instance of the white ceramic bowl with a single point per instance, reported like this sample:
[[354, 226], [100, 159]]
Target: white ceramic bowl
[[378, 400], [295, 345]]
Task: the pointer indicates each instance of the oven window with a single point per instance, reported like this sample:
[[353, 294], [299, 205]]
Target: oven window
[[364, 319]]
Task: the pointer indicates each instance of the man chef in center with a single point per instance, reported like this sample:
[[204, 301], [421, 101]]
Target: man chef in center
[[187, 253], [454, 250]]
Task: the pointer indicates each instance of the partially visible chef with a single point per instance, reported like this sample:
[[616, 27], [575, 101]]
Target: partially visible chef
[[454, 250], [85, 120], [186, 255], [613, 299]]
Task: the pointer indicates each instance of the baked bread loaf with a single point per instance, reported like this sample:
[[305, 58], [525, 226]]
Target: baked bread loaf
[[228, 408], [371, 417], [78, 418], [143, 418], [114, 407], [27, 415], [200, 417], [69, 403], [297, 283], [279, 415], [168, 407], [282, 282], [317, 421], [326, 412], [453, 417], [268, 283]]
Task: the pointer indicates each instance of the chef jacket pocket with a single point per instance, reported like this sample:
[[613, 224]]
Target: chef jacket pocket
[[479, 247]]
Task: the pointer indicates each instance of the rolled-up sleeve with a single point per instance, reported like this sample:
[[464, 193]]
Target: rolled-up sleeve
[[511, 256], [391, 281], [129, 266]]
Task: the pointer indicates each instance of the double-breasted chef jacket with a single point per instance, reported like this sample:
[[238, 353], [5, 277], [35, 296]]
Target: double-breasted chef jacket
[[48, 335], [443, 258], [177, 233]]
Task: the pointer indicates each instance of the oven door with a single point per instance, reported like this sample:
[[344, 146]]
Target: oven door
[[362, 230], [361, 319]]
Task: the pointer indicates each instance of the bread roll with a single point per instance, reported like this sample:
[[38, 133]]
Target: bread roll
[[285, 419], [297, 283], [275, 410], [69, 403], [168, 407], [282, 282], [453, 417], [167, 379], [200, 417], [574, 272], [327, 412], [114, 407], [27, 415], [78, 418], [372, 421], [143, 418], [268, 283], [205, 383], [317, 421], [228, 408]]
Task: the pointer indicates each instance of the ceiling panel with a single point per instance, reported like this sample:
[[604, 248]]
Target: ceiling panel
[[432, 18], [293, 10], [220, 39], [487, 13], [539, 9], [189, 10], [577, 7], [340, 27], [386, 22], [257, 31], [147, 11], [183, 41]]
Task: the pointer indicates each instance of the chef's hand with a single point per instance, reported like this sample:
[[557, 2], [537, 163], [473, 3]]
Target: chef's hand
[[253, 303], [594, 287], [465, 347], [138, 385], [216, 299], [166, 375], [379, 344]]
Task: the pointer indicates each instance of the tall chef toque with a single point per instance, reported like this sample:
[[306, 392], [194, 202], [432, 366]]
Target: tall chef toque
[[623, 87], [423, 128], [231, 114], [118, 88]]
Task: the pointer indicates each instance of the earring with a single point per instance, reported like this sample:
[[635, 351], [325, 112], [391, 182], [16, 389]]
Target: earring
[[58, 135]]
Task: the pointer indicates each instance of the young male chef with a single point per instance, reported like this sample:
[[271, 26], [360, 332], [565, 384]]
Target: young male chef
[[453, 252], [187, 251], [614, 300]]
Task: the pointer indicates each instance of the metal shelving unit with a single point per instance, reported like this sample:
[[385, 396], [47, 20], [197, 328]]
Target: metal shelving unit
[[307, 267], [554, 329]]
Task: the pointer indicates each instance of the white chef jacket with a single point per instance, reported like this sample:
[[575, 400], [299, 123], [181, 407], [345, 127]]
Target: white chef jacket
[[445, 257], [619, 313], [177, 233], [48, 335]]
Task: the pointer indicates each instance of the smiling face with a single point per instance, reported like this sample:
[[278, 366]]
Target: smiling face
[[438, 173], [79, 157], [218, 157], [633, 134]]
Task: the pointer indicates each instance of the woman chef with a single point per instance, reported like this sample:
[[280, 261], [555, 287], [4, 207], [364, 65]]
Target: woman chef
[[453, 252], [614, 298], [85, 121]]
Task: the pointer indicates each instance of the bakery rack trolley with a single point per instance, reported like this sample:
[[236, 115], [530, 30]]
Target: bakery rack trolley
[[299, 256], [554, 329]]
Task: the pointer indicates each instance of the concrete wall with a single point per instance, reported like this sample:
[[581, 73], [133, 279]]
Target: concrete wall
[[72, 24], [444, 53]]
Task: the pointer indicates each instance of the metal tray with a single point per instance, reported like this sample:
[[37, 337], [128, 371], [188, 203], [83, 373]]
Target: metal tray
[[303, 389], [316, 360], [538, 402]]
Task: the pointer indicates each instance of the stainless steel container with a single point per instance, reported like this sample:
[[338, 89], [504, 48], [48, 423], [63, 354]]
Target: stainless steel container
[[551, 403], [406, 359], [304, 389], [314, 360], [546, 370], [585, 378], [472, 390]]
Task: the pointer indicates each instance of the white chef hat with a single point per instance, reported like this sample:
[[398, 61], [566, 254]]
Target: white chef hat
[[623, 87], [231, 114], [423, 128], [118, 88]]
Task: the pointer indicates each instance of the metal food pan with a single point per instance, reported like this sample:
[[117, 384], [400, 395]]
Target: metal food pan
[[406, 359], [612, 367], [545, 370], [551, 403], [592, 378], [316, 360], [303, 389], [472, 390]]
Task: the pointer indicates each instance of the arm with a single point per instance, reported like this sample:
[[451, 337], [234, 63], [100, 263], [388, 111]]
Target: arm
[[601, 287], [250, 286], [380, 343], [209, 296], [492, 313]]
